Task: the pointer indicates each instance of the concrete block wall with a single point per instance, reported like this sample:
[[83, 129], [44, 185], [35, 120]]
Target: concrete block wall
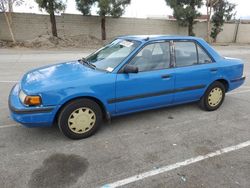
[[200, 29], [124, 26], [228, 33], [244, 33], [71, 25], [25, 26], [29, 26]]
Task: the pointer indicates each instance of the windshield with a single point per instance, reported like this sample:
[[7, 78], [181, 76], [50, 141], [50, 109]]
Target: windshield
[[110, 56]]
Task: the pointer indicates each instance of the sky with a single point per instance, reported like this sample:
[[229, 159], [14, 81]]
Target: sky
[[138, 8]]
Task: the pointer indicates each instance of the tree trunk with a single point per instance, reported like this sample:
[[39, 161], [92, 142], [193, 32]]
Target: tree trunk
[[9, 26], [10, 4], [208, 22], [190, 29], [103, 27], [8, 21], [52, 18], [53, 24], [191, 20]]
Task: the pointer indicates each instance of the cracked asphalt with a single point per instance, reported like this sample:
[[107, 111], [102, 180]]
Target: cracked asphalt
[[129, 145]]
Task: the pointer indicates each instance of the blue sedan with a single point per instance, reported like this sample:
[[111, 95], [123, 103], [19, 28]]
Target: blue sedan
[[131, 74]]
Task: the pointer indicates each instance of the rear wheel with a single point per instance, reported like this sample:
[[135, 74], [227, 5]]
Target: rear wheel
[[80, 118], [214, 97]]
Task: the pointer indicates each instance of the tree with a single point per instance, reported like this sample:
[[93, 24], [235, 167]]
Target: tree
[[185, 12], [7, 6], [223, 11], [210, 4], [52, 7], [114, 8]]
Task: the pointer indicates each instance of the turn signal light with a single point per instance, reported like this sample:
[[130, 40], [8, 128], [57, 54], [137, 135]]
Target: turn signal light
[[32, 100]]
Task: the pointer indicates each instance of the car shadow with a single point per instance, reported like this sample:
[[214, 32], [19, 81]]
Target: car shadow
[[54, 134], [147, 115]]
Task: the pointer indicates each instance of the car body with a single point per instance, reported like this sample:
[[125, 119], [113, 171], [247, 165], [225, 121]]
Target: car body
[[182, 71]]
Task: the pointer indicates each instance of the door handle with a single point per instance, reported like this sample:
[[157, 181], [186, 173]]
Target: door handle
[[214, 70], [166, 76]]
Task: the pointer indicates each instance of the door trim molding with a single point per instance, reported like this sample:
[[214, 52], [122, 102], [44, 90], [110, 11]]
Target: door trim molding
[[155, 94]]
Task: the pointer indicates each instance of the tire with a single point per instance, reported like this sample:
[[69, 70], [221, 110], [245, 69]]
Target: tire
[[80, 119], [213, 97]]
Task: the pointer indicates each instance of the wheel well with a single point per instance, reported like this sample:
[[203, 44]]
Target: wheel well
[[104, 112], [225, 83]]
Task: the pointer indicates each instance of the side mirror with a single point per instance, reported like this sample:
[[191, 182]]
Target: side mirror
[[130, 69]]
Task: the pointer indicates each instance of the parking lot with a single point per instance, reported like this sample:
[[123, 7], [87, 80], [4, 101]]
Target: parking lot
[[160, 148]]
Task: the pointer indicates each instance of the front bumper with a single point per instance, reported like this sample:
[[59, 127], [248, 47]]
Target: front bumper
[[29, 116]]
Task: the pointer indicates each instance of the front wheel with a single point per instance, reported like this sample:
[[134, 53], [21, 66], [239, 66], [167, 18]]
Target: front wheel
[[213, 97], [80, 119]]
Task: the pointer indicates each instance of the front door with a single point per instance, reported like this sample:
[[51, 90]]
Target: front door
[[152, 86]]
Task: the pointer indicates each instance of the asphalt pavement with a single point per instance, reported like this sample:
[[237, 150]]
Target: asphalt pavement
[[180, 146]]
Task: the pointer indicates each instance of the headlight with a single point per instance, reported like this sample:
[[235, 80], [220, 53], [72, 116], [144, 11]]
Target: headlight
[[22, 96], [29, 100]]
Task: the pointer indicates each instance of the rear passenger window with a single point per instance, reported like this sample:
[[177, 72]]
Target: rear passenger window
[[203, 57], [154, 56], [185, 54]]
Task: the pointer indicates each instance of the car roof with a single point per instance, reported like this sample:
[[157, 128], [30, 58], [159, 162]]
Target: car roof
[[147, 38], [143, 38]]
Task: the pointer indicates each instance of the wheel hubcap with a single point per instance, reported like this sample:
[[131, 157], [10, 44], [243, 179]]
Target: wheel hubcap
[[81, 120], [215, 96]]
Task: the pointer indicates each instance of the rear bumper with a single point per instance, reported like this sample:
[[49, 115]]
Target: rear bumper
[[235, 83], [238, 79], [29, 116]]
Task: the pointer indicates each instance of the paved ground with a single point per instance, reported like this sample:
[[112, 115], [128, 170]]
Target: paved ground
[[130, 145]]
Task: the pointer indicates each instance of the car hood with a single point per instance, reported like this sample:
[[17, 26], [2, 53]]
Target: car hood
[[56, 76]]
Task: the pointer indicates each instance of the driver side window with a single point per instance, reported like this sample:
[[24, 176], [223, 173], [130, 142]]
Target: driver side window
[[153, 57]]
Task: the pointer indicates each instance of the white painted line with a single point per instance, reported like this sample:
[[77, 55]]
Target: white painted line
[[248, 87], [31, 153], [6, 81], [175, 166], [6, 126], [238, 92]]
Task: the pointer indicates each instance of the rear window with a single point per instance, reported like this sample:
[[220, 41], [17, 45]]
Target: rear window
[[203, 56], [189, 53], [185, 54]]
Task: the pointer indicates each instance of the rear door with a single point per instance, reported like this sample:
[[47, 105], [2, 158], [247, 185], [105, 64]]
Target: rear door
[[194, 70], [152, 86]]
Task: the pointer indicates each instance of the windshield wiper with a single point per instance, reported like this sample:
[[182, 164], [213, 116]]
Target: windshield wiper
[[83, 60]]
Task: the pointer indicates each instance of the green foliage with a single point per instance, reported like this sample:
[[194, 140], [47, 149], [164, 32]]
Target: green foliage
[[185, 12], [52, 6], [85, 6], [223, 11], [114, 8]]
